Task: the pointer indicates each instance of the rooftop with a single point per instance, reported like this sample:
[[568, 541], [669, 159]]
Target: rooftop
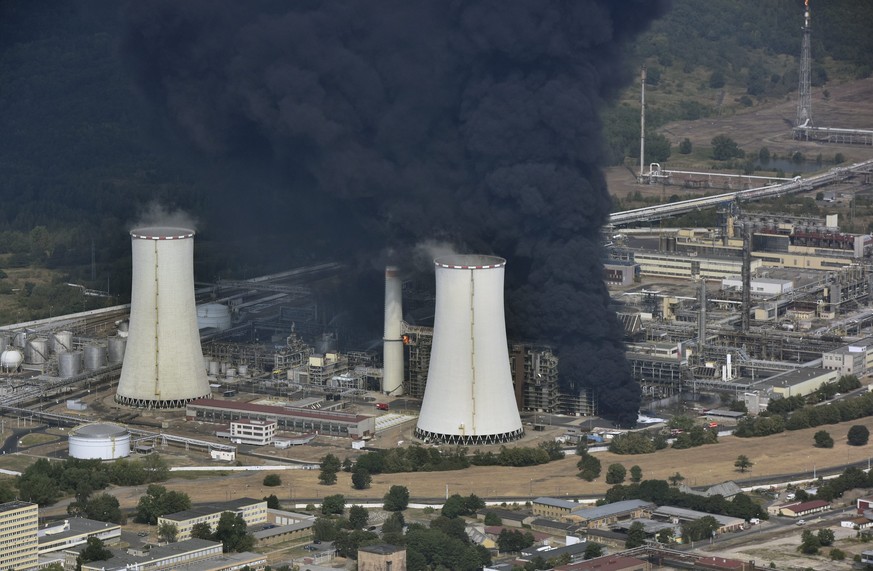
[[612, 509], [218, 507]]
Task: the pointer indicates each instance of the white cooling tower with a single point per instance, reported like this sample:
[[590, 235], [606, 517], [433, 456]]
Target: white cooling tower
[[163, 361], [469, 397], [392, 342]]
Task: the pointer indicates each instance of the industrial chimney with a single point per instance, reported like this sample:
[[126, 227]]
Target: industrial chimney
[[163, 362], [392, 341], [469, 397]]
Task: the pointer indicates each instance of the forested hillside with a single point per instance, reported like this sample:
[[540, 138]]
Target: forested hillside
[[82, 155]]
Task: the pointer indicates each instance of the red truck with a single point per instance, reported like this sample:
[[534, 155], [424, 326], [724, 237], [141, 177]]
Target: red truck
[[382, 405]]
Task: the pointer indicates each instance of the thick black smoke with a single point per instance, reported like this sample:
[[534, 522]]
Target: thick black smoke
[[472, 122]]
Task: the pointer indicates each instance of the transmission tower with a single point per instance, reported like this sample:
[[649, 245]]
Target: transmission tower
[[804, 98]]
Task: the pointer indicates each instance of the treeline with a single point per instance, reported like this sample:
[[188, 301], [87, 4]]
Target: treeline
[[835, 412], [421, 459], [44, 482], [661, 493]]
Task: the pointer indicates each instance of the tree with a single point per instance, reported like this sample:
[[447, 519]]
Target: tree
[[826, 537], [330, 465], [636, 535], [394, 523], [396, 499], [636, 474], [272, 502], [324, 529], [454, 506], [358, 517], [492, 518], [743, 463], [615, 474], [702, 528], [514, 541], [102, 507], [201, 530], [272, 480], [231, 532], [335, 504], [724, 148], [589, 467], [676, 479], [685, 146], [858, 435], [823, 439], [361, 479], [809, 543], [168, 532], [157, 501], [94, 551], [593, 550], [155, 468]]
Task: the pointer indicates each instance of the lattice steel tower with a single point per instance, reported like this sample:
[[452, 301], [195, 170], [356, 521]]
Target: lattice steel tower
[[804, 97]]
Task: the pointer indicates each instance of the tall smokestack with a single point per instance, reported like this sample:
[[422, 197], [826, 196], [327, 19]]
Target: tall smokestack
[[392, 342], [469, 397], [163, 363]]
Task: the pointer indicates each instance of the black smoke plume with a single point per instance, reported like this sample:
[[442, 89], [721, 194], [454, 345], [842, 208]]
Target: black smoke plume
[[400, 121]]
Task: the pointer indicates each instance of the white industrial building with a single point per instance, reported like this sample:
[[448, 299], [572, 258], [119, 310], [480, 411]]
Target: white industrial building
[[163, 362], [469, 397], [758, 286]]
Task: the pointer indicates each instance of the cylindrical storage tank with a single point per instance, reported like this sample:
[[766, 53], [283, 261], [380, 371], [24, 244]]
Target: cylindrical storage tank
[[5, 341], [231, 372], [36, 351], [62, 341], [163, 363], [69, 364], [213, 315], [213, 368], [11, 359], [101, 441], [117, 346], [243, 370], [223, 368], [20, 339], [392, 341], [469, 397], [95, 357]]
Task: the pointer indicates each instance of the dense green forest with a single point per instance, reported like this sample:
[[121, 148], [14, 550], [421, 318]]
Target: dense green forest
[[82, 157]]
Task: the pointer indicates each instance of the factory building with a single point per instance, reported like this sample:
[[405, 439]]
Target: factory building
[[686, 266], [163, 362], [853, 359], [469, 397], [288, 418], [620, 272], [758, 286], [798, 382]]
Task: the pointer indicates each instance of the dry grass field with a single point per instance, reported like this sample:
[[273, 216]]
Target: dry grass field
[[785, 453]]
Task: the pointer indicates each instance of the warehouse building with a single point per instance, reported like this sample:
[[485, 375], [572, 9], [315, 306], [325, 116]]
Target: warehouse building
[[286, 417]]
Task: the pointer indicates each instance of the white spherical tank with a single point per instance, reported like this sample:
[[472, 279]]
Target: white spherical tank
[[163, 362], [469, 397], [101, 441], [11, 359], [213, 315]]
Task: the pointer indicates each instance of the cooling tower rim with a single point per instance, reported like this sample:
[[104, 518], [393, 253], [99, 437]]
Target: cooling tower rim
[[392, 271], [162, 233], [469, 262]]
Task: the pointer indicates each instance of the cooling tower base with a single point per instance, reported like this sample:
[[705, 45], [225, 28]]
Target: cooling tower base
[[468, 439], [156, 404]]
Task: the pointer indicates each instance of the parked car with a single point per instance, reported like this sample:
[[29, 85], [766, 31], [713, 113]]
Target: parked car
[[801, 522]]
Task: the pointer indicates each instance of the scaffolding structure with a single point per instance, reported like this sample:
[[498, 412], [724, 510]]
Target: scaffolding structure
[[419, 341], [535, 375]]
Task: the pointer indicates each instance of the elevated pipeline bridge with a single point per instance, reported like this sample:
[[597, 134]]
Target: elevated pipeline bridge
[[776, 189]]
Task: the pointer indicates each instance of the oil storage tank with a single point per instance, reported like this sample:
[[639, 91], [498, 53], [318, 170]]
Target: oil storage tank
[[99, 441], [117, 346], [95, 357], [469, 397], [69, 364], [36, 351]]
